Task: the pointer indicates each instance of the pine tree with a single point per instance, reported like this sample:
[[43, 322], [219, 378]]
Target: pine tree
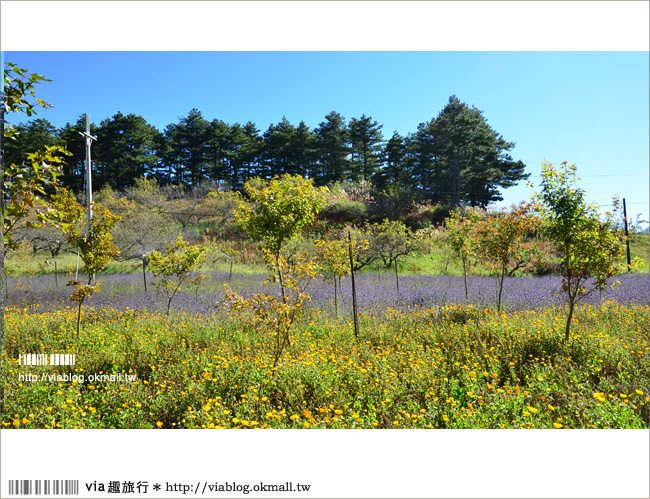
[[471, 156], [279, 156], [187, 146], [125, 150], [333, 149], [365, 139]]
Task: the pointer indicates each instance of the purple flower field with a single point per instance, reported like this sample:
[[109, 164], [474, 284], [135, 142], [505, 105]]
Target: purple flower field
[[374, 292]]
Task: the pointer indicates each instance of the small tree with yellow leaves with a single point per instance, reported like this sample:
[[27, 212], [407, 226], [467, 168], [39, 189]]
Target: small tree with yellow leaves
[[591, 245], [500, 239], [333, 261], [95, 244], [174, 265], [277, 211], [460, 227]]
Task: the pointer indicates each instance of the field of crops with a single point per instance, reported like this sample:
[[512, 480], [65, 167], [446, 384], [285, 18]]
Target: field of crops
[[426, 357]]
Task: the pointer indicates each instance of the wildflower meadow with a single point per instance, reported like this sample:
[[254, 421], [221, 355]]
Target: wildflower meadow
[[425, 357]]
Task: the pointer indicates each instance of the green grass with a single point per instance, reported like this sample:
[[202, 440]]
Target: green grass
[[640, 248], [449, 367], [437, 259]]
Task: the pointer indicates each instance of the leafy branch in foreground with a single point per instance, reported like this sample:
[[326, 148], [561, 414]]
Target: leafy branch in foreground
[[24, 185], [27, 187]]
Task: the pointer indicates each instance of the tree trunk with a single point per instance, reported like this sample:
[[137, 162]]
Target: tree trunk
[[465, 277], [396, 276], [79, 314], [503, 273], [567, 330]]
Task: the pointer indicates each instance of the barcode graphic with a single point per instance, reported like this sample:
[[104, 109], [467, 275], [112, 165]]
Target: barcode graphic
[[44, 359], [43, 487]]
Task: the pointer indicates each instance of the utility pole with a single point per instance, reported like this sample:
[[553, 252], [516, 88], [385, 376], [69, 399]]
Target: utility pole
[[89, 185], [627, 237]]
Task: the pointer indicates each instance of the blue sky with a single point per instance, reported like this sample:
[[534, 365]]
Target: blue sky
[[590, 108]]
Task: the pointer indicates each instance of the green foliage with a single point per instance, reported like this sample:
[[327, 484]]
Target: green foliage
[[24, 185], [281, 208], [126, 150], [73, 171], [365, 139], [173, 267], [26, 189], [29, 137], [146, 192], [455, 157], [185, 147], [19, 86], [591, 246], [333, 257], [460, 227], [634, 225], [392, 240], [500, 240], [345, 211], [471, 159], [221, 205], [332, 143]]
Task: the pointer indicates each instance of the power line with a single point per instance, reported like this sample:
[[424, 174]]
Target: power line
[[609, 175]]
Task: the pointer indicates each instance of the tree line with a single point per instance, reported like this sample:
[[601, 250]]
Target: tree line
[[456, 158]]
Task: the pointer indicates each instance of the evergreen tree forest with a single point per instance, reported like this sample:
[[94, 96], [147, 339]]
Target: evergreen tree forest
[[455, 159]]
